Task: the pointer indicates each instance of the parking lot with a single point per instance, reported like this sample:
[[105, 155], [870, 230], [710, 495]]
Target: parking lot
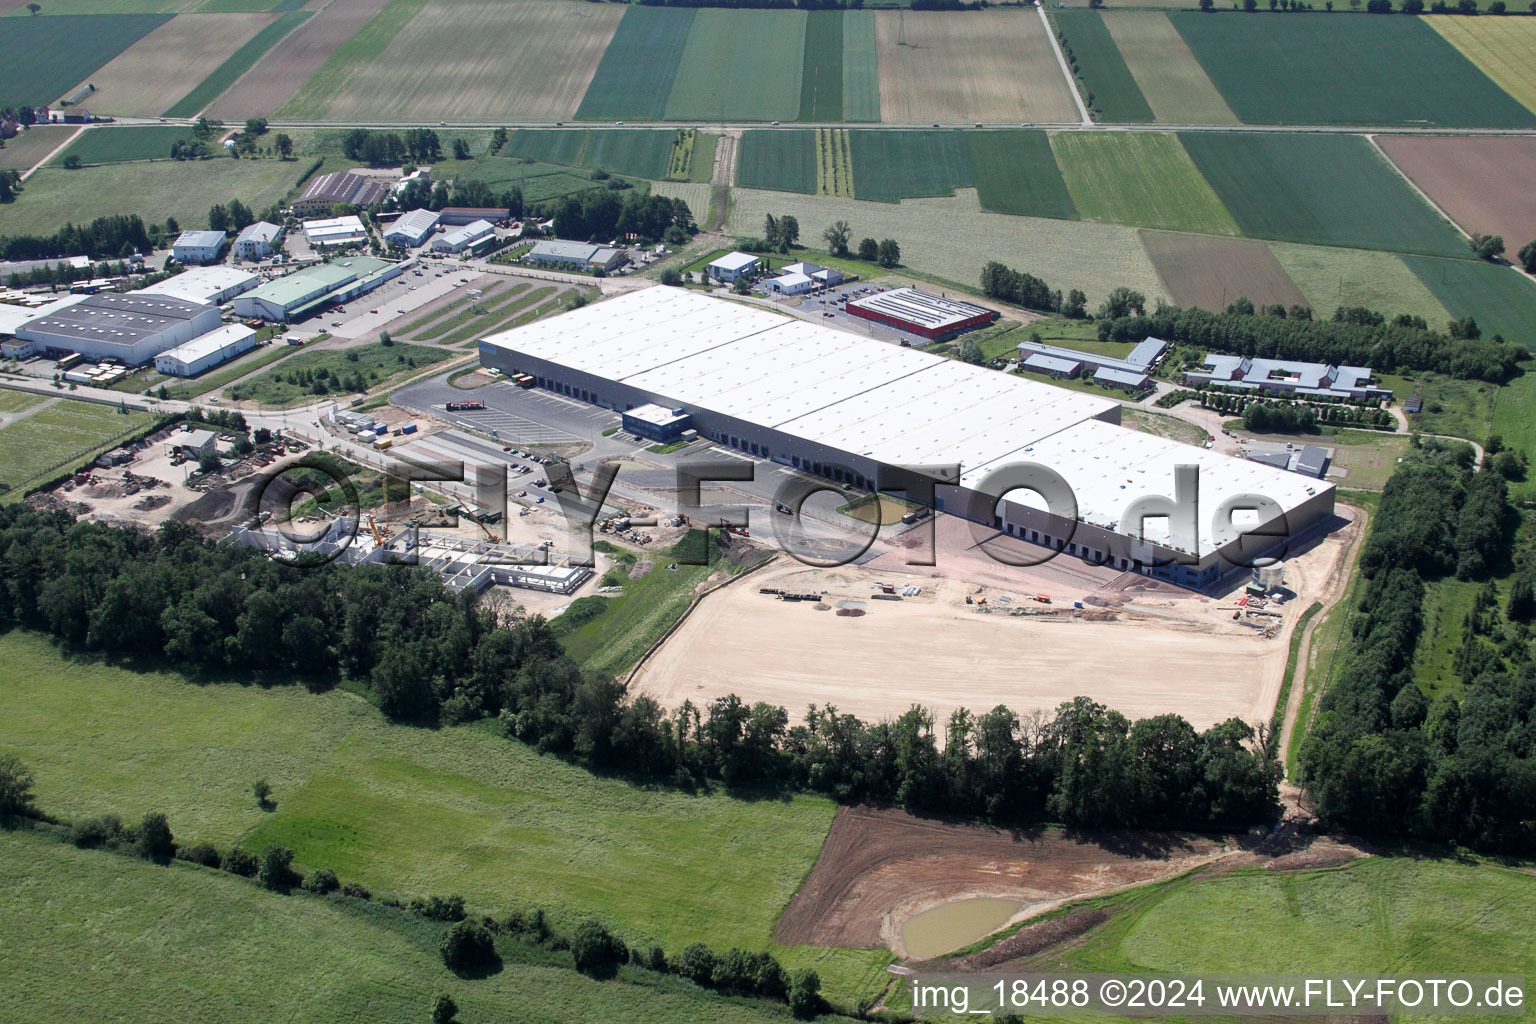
[[376, 311], [827, 309]]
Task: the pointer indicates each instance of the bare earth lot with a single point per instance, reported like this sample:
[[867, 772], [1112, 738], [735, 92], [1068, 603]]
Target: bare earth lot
[[278, 75], [152, 74], [1483, 183], [1209, 272], [983, 66]]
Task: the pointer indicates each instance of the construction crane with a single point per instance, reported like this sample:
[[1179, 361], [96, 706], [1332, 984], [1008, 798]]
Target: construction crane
[[379, 536], [488, 534]]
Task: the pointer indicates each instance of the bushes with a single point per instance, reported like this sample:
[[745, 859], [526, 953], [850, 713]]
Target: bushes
[[240, 862], [597, 953], [322, 882], [91, 833], [200, 853], [155, 841], [468, 945], [805, 999], [276, 871], [15, 786], [435, 908]]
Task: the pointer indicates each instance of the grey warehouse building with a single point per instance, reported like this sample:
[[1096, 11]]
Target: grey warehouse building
[[132, 327], [876, 416]]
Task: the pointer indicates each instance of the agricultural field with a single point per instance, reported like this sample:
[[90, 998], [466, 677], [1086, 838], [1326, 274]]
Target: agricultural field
[[1514, 419], [154, 191], [1365, 71], [238, 952], [1199, 270], [1141, 178], [232, 6], [26, 149], [42, 59], [1109, 88], [821, 74], [475, 60], [834, 163], [131, 142], [357, 54], [1174, 84], [640, 152], [1331, 277], [759, 53], [288, 382], [983, 66], [694, 193], [1327, 189], [1016, 172], [637, 71], [781, 160], [275, 78], [1504, 48], [1502, 300], [58, 438], [1481, 182], [239, 62], [1454, 407], [861, 74], [169, 62], [892, 165], [538, 181], [952, 238]]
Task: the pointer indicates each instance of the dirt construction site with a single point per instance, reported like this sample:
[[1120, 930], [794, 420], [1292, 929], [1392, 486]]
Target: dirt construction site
[[873, 640]]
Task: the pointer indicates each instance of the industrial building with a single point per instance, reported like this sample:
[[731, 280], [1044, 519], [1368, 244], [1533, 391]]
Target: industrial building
[[131, 327], [259, 240], [457, 216], [198, 246], [928, 316], [332, 231], [411, 229], [1308, 460], [11, 319], [1133, 372], [307, 291], [326, 191], [732, 265], [1287, 377], [655, 422], [212, 285], [461, 238], [193, 357], [556, 252], [862, 412]]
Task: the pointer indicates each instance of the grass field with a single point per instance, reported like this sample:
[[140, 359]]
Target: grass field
[[783, 160], [537, 180], [1514, 419], [1457, 408], [1327, 189], [59, 438], [377, 364], [636, 73], [1331, 278], [1367, 71], [861, 73], [759, 53], [134, 142], [892, 165], [1502, 300], [1109, 88], [129, 942], [356, 55], [1504, 48], [19, 401], [239, 63], [1140, 178], [231, 371], [1201, 270], [503, 314], [154, 191], [1016, 172], [695, 194], [475, 60], [643, 153], [983, 66], [488, 303], [821, 74], [1174, 84], [1163, 425], [44, 58], [26, 149]]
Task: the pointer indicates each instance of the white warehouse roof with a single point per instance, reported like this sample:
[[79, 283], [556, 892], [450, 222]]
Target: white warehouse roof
[[205, 284], [209, 344], [734, 261]]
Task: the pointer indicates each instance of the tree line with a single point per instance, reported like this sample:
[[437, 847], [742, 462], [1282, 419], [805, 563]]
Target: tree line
[[104, 238], [601, 215], [377, 148]]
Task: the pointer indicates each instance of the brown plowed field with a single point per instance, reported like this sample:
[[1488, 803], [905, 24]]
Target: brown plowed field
[[1210, 272], [278, 75], [1483, 184], [878, 867]]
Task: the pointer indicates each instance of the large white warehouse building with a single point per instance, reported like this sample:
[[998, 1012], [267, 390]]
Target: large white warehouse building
[[877, 416], [199, 354], [132, 327]]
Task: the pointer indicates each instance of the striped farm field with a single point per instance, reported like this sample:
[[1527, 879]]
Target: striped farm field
[[43, 59], [636, 73], [861, 76], [237, 64], [1141, 178], [834, 163], [1326, 189], [1368, 71], [1176, 87], [132, 142], [694, 193], [1482, 182], [821, 75], [470, 60], [1331, 277], [784, 160], [326, 47], [993, 65], [893, 165], [358, 55], [739, 65], [1504, 48], [1502, 300], [1211, 272], [1016, 172], [1109, 88]]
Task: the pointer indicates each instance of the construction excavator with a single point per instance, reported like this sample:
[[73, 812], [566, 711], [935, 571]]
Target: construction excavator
[[380, 537]]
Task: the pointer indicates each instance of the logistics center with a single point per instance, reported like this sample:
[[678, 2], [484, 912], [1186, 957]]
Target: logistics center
[[874, 415]]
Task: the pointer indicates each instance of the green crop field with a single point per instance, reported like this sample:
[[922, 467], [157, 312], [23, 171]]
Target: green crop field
[[237, 6], [1368, 71], [636, 73], [889, 165], [641, 152], [43, 58], [861, 77], [781, 160], [366, 46], [1327, 189], [1331, 277], [118, 145], [58, 438], [1500, 299], [1016, 172], [821, 75], [1514, 419], [1140, 178], [740, 65], [375, 364], [549, 145], [241, 60], [1111, 90]]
